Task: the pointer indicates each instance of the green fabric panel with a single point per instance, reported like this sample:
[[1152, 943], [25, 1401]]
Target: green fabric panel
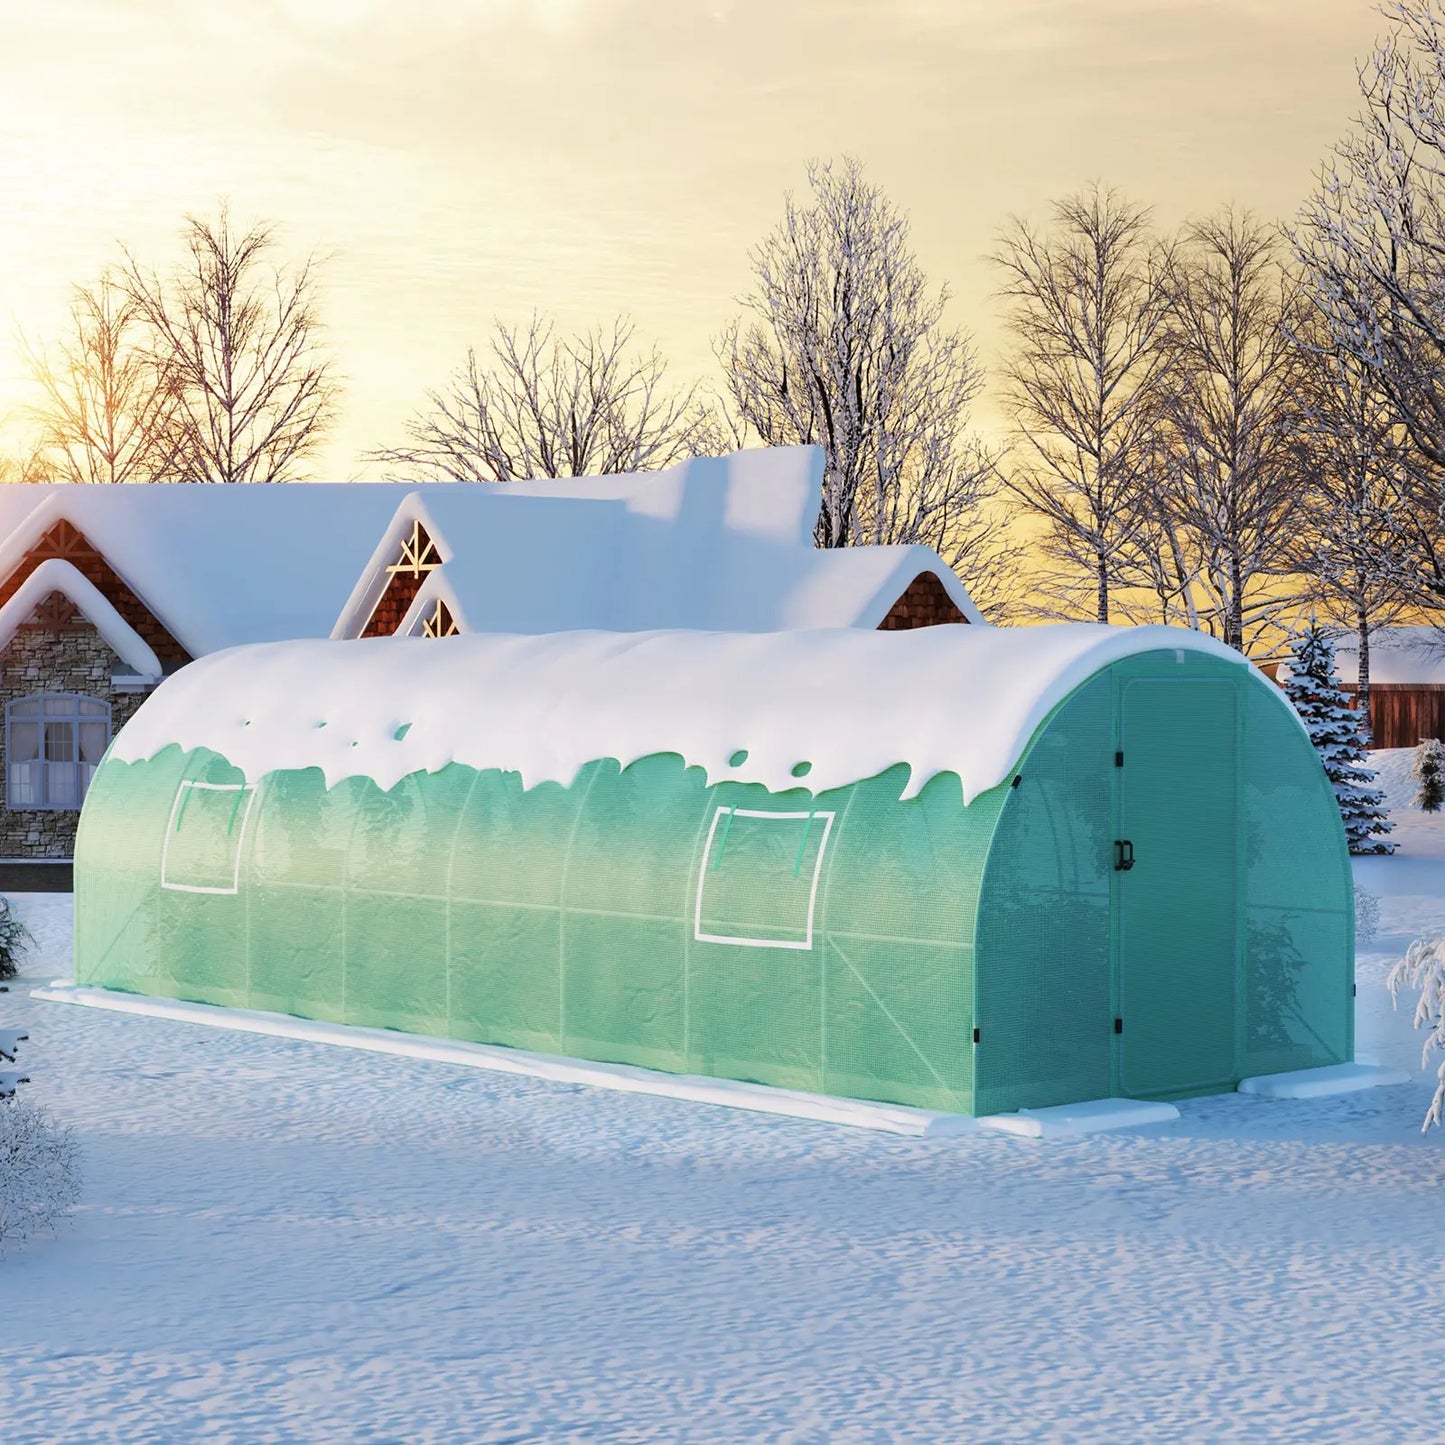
[[123, 826], [1299, 925], [396, 904], [637, 916], [296, 914], [847, 942], [898, 910], [1045, 1012]]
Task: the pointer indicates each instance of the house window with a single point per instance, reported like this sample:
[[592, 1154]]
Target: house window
[[53, 744]]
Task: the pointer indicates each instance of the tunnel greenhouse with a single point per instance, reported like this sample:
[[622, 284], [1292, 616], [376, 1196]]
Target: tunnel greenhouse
[[968, 868]]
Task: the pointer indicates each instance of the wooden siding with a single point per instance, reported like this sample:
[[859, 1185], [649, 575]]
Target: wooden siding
[[415, 559], [924, 603], [1401, 713], [401, 590]]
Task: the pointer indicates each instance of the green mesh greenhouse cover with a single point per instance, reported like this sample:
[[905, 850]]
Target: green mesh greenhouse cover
[[973, 869]]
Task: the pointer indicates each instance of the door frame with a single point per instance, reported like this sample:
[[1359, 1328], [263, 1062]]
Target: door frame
[[1151, 667]]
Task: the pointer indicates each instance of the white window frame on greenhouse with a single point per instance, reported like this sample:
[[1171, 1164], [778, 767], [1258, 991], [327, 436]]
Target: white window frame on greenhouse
[[176, 805], [806, 942], [52, 784]]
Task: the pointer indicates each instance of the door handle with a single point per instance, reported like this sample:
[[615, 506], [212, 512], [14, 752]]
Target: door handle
[[1123, 855]]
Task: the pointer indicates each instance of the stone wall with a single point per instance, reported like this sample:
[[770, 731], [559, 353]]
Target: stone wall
[[77, 660]]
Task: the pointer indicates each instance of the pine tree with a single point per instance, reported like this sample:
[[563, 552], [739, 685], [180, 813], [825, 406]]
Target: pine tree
[[1429, 771], [1335, 731]]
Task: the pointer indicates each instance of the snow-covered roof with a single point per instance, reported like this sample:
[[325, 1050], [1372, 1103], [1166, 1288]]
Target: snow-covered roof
[[765, 492], [218, 565], [57, 575], [700, 549], [849, 702], [226, 565], [1397, 655]]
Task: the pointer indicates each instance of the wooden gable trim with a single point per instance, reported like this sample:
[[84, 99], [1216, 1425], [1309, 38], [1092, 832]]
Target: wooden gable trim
[[439, 622], [925, 603], [68, 542], [415, 559]]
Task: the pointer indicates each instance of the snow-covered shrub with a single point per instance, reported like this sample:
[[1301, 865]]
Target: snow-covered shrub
[[1367, 915], [1423, 967], [1428, 769], [15, 938], [1335, 731], [39, 1170]]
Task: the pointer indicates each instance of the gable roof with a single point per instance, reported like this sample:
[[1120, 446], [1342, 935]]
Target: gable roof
[[57, 575], [714, 543], [700, 549], [217, 565]]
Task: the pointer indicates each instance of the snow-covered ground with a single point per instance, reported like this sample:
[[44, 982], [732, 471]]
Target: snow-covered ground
[[282, 1241]]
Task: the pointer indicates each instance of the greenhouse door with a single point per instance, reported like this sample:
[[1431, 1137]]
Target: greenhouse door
[[1175, 879]]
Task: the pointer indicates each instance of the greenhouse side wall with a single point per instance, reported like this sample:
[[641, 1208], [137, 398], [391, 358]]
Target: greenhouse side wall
[[1299, 900], [638, 916], [1247, 966]]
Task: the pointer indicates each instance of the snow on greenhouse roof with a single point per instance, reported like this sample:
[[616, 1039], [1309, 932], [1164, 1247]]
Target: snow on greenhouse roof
[[851, 703]]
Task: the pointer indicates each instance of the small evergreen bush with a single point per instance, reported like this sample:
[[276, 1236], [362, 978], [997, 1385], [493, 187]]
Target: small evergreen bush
[[1428, 769], [15, 938], [1334, 729], [39, 1170], [1367, 915]]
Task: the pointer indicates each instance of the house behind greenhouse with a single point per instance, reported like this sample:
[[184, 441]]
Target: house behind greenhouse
[[974, 869]]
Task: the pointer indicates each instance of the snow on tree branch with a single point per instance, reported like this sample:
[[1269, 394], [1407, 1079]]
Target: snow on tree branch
[[1423, 967]]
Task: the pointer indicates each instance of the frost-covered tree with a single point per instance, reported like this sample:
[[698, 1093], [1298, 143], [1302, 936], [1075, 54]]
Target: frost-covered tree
[[1355, 532], [1367, 915], [1088, 306], [39, 1173], [39, 1170], [543, 405], [110, 409], [844, 345], [1428, 769], [1334, 729], [1237, 486], [1372, 239], [1423, 967], [236, 341], [15, 938]]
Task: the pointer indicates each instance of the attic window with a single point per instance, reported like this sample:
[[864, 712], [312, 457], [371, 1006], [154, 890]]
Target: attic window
[[439, 622], [418, 554]]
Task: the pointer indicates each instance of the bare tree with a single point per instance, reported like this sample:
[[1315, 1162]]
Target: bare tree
[[1373, 233], [109, 411], [1372, 240], [546, 407], [29, 465], [843, 346], [1237, 486], [236, 340], [1355, 538], [1090, 302]]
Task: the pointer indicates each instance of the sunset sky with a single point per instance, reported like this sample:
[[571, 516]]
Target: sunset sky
[[460, 159]]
